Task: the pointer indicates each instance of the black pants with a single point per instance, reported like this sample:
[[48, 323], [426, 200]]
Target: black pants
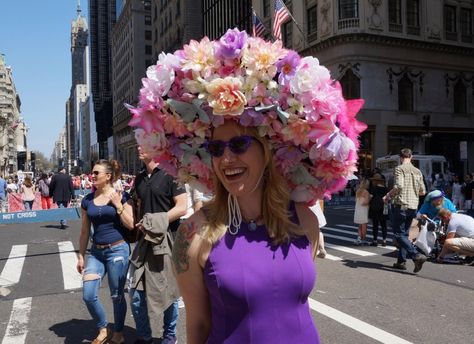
[[379, 217]]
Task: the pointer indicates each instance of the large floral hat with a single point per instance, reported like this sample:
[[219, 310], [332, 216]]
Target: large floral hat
[[292, 100]]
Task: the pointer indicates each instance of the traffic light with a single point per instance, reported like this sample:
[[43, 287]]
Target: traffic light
[[426, 122]]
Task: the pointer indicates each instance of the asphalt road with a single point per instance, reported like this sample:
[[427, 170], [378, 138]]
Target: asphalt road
[[358, 297]]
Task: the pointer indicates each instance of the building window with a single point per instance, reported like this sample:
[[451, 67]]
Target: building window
[[147, 34], [466, 25], [350, 84], [413, 17], [178, 8], [450, 28], [147, 4], [266, 8], [395, 15], [348, 9], [460, 97], [148, 49], [312, 14], [348, 14], [405, 94], [287, 34], [147, 20]]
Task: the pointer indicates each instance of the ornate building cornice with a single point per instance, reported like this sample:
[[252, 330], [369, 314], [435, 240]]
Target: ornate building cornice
[[387, 40]]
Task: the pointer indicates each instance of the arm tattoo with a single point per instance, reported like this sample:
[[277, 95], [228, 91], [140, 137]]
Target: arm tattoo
[[181, 245]]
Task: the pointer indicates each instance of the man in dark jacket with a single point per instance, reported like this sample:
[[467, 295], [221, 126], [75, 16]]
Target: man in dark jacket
[[62, 190]]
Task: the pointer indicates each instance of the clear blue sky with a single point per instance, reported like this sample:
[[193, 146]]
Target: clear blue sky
[[35, 38]]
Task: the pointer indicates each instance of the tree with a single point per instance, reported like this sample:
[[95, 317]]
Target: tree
[[42, 163]]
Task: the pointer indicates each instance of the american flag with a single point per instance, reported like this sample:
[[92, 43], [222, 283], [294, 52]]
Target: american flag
[[281, 15], [258, 28]]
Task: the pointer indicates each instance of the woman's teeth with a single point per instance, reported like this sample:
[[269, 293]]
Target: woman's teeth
[[233, 171]]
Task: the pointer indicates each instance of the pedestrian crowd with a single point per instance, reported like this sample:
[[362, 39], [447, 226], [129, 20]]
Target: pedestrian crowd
[[409, 204]]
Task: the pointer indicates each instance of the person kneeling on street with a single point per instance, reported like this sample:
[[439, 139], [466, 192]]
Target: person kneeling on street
[[460, 236]]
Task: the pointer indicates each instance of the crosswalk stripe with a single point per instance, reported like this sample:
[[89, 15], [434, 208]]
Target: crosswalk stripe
[[72, 279], [17, 325], [12, 270], [356, 324], [350, 250], [326, 234]]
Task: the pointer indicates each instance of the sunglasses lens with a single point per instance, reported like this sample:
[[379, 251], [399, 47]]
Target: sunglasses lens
[[215, 148], [239, 144]]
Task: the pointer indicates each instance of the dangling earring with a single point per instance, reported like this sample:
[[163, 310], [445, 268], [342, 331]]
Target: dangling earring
[[235, 217]]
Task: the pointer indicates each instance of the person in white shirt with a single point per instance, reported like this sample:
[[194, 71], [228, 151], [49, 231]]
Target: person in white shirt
[[195, 199], [460, 236], [317, 209], [457, 196]]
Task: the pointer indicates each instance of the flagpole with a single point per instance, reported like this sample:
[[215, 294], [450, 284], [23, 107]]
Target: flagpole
[[297, 25]]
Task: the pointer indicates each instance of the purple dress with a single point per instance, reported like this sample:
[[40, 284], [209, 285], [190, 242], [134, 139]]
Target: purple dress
[[258, 292]]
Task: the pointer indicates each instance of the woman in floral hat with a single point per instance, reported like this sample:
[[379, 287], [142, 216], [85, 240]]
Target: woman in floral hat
[[269, 133]]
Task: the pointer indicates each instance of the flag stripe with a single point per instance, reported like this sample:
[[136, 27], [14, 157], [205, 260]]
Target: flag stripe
[[281, 15]]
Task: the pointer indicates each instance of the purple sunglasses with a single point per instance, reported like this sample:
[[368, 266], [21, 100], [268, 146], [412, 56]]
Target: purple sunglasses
[[237, 145]]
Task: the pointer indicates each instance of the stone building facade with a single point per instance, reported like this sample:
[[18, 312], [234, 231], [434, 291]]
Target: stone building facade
[[10, 121], [411, 60], [131, 54]]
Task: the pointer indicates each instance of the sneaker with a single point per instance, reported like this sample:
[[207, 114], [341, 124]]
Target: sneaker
[[374, 243], [169, 340], [180, 303], [384, 243], [364, 242], [322, 253], [144, 341], [469, 261], [399, 266], [358, 242], [419, 261]]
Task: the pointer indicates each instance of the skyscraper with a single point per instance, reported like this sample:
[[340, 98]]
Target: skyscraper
[[79, 36], [102, 18]]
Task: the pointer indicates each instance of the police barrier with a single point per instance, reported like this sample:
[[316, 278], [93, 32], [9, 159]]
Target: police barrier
[[40, 215]]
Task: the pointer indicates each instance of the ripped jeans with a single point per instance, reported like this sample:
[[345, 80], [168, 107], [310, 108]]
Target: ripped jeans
[[112, 261]]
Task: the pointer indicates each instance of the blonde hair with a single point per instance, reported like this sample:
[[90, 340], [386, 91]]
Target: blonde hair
[[364, 184], [275, 203]]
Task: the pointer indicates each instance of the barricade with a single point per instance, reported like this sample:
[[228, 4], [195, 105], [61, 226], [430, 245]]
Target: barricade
[[40, 215]]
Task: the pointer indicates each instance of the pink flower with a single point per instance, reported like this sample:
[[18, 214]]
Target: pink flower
[[147, 120], [347, 119], [175, 125], [287, 67], [321, 131], [199, 57], [225, 96]]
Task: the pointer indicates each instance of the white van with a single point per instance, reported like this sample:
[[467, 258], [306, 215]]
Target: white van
[[428, 165], [21, 176]]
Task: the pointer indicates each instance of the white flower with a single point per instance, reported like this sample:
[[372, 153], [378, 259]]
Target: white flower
[[309, 76], [163, 72]]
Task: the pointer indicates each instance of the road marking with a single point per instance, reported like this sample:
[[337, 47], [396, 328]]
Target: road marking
[[12, 270], [72, 279], [350, 250], [388, 247], [17, 327], [356, 324]]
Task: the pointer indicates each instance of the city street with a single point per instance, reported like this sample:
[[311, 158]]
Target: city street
[[358, 297]]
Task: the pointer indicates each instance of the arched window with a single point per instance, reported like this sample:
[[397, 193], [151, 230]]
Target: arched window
[[405, 94], [460, 97], [350, 84]]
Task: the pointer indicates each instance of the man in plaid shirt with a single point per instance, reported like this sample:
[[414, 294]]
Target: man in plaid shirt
[[408, 186]]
